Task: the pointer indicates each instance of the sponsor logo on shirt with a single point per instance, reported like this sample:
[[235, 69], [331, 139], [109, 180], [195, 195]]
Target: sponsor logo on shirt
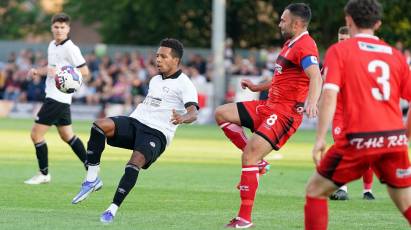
[[152, 101], [380, 142]]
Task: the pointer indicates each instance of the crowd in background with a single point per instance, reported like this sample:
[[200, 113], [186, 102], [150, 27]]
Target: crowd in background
[[123, 78]]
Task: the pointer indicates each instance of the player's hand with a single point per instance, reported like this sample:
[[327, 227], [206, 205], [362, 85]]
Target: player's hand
[[318, 151], [33, 72], [176, 118], [311, 109], [246, 83]]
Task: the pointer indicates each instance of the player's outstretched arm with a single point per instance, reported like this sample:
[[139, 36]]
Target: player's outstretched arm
[[38, 72], [245, 83], [314, 90], [326, 112], [186, 118]]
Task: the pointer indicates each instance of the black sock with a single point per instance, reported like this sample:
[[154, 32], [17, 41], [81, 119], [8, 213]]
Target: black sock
[[78, 148], [95, 145], [127, 182], [42, 159]]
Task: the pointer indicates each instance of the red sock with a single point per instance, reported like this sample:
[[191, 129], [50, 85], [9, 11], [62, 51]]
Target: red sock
[[235, 133], [407, 214], [367, 179], [316, 213], [248, 188]]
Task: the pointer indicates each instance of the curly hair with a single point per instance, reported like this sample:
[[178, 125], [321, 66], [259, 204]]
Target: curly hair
[[176, 46], [365, 13]]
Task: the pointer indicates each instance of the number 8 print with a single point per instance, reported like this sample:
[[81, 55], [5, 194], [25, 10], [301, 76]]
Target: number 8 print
[[271, 120]]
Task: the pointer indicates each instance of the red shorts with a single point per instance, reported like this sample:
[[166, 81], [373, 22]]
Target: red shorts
[[342, 166], [274, 124]]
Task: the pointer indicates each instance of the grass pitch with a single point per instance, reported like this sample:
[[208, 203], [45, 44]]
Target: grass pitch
[[191, 186]]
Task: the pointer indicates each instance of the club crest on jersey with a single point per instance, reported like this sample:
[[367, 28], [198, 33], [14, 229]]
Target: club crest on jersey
[[278, 68], [166, 89]]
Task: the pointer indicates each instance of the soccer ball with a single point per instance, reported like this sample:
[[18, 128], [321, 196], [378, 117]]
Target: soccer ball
[[68, 79]]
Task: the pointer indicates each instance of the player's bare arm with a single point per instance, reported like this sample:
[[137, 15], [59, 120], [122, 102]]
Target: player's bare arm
[[84, 72], [314, 90], [37, 72], [246, 83], [328, 103], [186, 118]]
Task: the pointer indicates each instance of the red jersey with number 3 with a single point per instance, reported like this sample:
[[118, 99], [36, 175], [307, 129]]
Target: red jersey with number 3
[[371, 77], [290, 83]]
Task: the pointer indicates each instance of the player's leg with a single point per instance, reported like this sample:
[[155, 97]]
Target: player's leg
[[67, 135], [367, 179], [393, 169], [338, 167], [37, 136], [256, 148], [316, 208], [227, 117], [402, 199], [101, 129], [148, 145], [127, 182]]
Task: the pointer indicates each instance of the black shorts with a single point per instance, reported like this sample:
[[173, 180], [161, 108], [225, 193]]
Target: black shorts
[[53, 112], [131, 134]]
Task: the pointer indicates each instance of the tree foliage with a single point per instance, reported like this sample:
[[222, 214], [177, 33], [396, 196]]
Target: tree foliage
[[250, 23], [147, 22], [18, 18]]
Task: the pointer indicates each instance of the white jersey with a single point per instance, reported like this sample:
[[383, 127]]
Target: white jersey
[[63, 54], [165, 94]]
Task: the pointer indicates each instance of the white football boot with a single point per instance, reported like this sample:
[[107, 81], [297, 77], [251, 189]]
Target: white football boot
[[39, 178]]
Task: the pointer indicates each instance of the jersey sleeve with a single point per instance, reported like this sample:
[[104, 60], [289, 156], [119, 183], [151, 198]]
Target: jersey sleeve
[[75, 57], [189, 94], [332, 73], [308, 55]]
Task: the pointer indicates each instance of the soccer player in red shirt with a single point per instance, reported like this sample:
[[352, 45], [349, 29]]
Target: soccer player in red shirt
[[274, 120], [337, 132], [371, 77]]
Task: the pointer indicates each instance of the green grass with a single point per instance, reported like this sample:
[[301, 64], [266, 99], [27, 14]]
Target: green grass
[[192, 186]]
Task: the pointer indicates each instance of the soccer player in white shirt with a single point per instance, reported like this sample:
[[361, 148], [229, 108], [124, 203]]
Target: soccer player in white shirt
[[171, 100], [56, 107]]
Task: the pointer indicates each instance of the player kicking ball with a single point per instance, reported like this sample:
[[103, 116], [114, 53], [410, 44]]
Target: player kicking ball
[[171, 100]]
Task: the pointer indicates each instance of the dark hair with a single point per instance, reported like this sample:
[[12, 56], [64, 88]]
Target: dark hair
[[176, 46], [60, 17], [343, 30], [300, 10], [365, 13]]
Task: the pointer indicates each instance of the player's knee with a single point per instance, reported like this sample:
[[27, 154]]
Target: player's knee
[[219, 114], [106, 125], [137, 159]]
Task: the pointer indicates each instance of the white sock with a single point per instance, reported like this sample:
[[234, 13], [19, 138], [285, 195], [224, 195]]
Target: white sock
[[367, 190], [92, 172], [113, 209], [344, 187]]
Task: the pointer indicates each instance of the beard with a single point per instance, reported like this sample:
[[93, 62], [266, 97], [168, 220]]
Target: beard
[[286, 35]]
